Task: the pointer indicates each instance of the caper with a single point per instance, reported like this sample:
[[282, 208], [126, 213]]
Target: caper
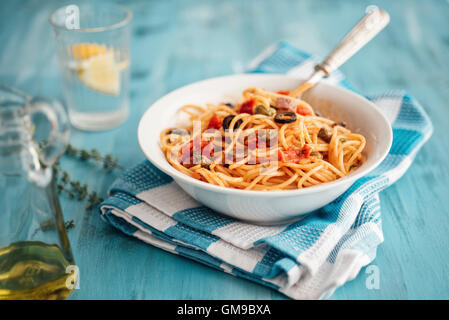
[[261, 109]]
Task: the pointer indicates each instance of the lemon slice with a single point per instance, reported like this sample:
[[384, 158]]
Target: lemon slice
[[83, 51], [101, 73]]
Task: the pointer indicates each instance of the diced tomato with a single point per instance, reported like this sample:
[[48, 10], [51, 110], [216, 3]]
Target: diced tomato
[[281, 155], [263, 160], [293, 155], [187, 151], [304, 111], [305, 151], [215, 122], [252, 141], [247, 107], [198, 143], [284, 92], [208, 150], [290, 155]]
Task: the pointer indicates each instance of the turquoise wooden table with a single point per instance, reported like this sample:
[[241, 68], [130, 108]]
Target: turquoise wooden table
[[178, 42]]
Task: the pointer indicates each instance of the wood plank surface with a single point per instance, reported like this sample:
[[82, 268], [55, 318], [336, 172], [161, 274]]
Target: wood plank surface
[[178, 42]]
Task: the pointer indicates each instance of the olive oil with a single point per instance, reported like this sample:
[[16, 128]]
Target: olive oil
[[33, 270]]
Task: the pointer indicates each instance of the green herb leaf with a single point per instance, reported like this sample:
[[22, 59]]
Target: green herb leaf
[[69, 224]]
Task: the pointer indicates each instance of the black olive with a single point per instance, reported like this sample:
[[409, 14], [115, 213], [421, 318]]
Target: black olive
[[229, 105], [227, 121], [325, 135], [285, 117], [341, 124], [238, 123], [179, 132]]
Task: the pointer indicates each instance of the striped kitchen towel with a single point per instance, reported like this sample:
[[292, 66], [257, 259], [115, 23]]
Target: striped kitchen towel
[[307, 259]]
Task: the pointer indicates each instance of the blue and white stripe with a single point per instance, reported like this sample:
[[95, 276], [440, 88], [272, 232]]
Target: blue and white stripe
[[307, 259]]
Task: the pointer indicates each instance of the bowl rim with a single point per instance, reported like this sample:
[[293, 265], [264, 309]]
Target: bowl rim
[[175, 174]]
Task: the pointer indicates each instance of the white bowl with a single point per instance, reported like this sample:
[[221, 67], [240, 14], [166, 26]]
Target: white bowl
[[267, 207]]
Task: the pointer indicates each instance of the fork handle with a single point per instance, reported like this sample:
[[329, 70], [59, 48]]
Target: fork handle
[[369, 26]]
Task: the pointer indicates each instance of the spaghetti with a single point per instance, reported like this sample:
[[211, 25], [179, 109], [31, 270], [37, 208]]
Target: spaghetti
[[271, 141]]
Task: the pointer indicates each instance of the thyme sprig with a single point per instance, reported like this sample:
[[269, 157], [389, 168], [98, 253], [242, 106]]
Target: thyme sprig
[[49, 224], [109, 162], [74, 188], [69, 224]]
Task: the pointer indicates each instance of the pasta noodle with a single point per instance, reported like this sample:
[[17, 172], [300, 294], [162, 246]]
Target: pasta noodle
[[271, 141]]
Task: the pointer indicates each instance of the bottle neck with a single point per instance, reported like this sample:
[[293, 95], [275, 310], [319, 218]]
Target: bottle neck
[[19, 156], [15, 137]]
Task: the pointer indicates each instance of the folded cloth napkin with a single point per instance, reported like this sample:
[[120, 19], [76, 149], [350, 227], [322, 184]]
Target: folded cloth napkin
[[307, 259]]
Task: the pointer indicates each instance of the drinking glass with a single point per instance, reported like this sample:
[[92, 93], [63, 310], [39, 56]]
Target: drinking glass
[[93, 45]]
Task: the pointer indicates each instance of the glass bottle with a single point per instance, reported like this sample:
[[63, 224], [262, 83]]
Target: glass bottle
[[35, 253]]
